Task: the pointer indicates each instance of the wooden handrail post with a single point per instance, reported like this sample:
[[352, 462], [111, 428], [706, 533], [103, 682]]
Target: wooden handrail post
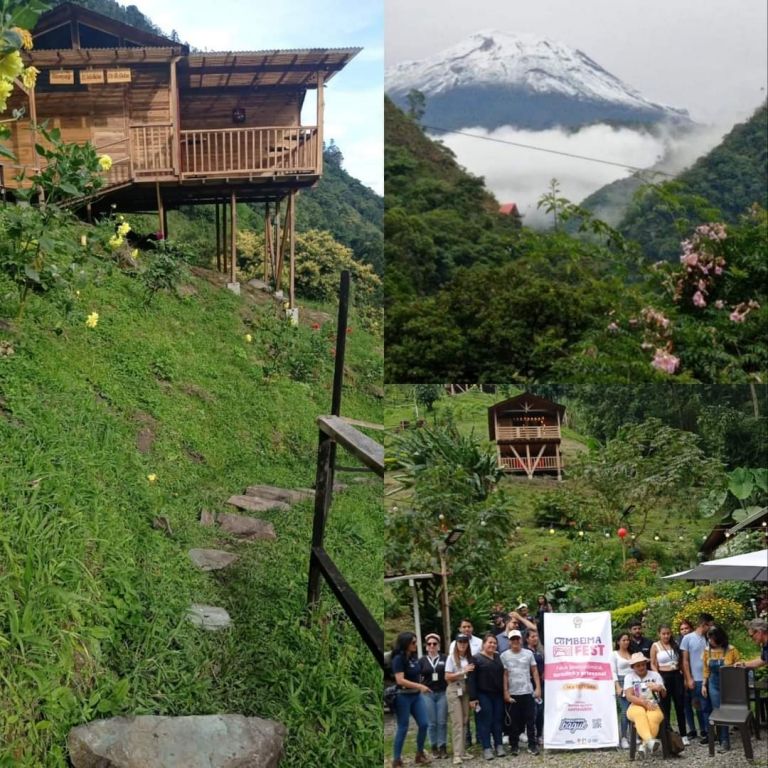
[[233, 235], [320, 109]]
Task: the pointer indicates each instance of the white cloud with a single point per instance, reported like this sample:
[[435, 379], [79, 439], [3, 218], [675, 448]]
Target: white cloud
[[521, 175]]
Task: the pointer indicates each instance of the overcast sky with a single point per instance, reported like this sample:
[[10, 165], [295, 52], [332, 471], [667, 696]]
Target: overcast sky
[[354, 113], [707, 56]]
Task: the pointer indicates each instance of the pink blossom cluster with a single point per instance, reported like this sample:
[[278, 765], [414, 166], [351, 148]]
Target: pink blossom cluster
[[740, 311], [701, 263], [665, 361]]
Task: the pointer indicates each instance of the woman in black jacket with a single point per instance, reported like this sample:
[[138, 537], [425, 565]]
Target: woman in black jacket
[[486, 696]]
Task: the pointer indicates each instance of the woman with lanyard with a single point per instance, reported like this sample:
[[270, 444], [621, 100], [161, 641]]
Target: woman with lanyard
[[457, 669], [433, 674], [407, 671], [620, 660], [486, 696], [665, 659]]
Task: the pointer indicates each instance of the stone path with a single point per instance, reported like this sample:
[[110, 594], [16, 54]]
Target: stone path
[[210, 741]]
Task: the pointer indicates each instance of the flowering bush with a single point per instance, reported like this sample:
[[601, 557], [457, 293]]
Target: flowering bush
[[727, 613]]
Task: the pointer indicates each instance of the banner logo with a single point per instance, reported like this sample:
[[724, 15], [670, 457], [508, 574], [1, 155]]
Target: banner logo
[[573, 724]]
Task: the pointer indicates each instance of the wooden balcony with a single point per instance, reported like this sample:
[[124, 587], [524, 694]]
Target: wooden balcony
[[544, 463], [527, 433], [223, 152]]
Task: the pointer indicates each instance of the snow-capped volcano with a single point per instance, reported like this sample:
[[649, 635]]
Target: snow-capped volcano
[[497, 78]]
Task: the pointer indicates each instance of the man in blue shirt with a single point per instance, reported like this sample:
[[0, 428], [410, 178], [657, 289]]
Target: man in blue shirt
[[692, 647]]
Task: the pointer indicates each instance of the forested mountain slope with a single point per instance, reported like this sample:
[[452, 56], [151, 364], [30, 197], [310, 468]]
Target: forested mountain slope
[[721, 186]]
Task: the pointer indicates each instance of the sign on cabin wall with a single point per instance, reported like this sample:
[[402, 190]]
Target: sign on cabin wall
[[89, 76], [118, 75], [62, 77]]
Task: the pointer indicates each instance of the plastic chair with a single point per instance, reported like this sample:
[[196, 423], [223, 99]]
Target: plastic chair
[[734, 708]]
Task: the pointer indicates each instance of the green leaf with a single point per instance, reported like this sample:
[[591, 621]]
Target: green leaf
[[761, 478], [31, 274], [69, 189], [5, 152], [741, 483]]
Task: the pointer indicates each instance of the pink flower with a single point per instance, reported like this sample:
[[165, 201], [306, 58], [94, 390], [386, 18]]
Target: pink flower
[[665, 361], [613, 328], [736, 316], [699, 300], [719, 304]]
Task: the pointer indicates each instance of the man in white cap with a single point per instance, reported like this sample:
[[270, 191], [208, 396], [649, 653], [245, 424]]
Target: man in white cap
[[521, 687]]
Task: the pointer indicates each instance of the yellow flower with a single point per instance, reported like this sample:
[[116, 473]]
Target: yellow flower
[[11, 65], [115, 242], [29, 77], [152, 478], [92, 320], [83, 240], [248, 337], [124, 229], [26, 37], [135, 254], [6, 86], [105, 163]]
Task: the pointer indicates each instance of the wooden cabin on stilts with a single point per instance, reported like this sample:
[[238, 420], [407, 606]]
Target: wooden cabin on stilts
[[526, 430], [181, 127]]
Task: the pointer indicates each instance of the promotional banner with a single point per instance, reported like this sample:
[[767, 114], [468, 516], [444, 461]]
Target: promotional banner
[[579, 693]]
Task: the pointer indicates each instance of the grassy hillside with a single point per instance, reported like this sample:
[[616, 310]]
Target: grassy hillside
[[93, 596], [560, 538]]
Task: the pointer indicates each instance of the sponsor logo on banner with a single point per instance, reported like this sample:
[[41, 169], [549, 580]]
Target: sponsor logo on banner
[[579, 704]]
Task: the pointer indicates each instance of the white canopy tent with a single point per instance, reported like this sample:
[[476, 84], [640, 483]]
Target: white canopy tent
[[752, 566]]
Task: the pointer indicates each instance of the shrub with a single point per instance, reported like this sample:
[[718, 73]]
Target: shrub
[[620, 617], [727, 613]]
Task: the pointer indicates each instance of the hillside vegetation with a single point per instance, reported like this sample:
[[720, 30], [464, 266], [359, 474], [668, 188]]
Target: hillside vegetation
[[664, 462], [154, 414], [473, 296]]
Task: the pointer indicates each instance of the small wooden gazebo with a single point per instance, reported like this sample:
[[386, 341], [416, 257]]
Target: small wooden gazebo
[[181, 127], [526, 430]]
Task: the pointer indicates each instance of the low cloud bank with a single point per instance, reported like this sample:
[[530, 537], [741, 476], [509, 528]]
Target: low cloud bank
[[519, 175]]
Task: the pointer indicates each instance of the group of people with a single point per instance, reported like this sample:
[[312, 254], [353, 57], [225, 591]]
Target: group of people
[[500, 677], [684, 671]]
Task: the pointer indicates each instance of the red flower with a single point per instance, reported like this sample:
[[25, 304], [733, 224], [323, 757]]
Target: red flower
[[349, 330], [315, 326]]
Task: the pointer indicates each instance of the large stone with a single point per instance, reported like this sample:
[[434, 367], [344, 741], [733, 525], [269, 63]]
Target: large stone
[[211, 559], [286, 495], [208, 617], [197, 741], [247, 527], [253, 504]]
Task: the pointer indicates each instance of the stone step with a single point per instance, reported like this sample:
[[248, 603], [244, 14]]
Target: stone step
[[252, 504], [212, 559], [208, 617], [289, 496], [206, 518], [194, 741], [247, 527]]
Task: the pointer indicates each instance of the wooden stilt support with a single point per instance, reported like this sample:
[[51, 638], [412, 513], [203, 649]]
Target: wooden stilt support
[[165, 222], [528, 470], [267, 245], [218, 235], [233, 238], [224, 251], [270, 263], [292, 286], [284, 238], [160, 210], [278, 252]]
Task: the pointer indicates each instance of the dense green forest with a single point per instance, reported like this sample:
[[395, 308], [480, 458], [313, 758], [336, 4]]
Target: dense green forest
[[473, 296], [720, 186]]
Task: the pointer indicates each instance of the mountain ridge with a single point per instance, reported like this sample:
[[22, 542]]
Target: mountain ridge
[[500, 78]]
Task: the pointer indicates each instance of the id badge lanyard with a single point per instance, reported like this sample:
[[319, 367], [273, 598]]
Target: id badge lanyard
[[435, 676]]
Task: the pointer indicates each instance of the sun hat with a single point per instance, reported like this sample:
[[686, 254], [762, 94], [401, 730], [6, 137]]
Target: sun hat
[[637, 658], [432, 634], [514, 633]]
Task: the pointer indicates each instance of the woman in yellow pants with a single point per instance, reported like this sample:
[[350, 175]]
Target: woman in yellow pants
[[644, 689]]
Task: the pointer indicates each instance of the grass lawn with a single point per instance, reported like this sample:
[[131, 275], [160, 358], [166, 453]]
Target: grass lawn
[[93, 596]]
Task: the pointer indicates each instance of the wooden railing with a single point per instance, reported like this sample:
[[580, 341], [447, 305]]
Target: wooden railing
[[152, 149], [232, 151], [527, 433], [512, 462]]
